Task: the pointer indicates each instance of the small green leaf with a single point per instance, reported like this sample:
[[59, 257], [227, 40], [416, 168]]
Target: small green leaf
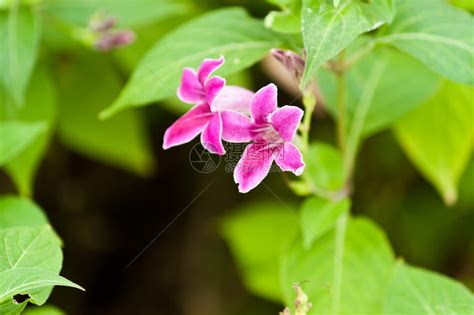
[[319, 216], [324, 168], [344, 272], [40, 105], [414, 291], [336, 3], [128, 13], [20, 32], [288, 20], [16, 137], [241, 39], [256, 234], [15, 211], [438, 137], [121, 141], [440, 36], [328, 29]]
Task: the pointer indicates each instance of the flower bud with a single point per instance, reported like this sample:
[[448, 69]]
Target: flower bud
[[101, 25], [110, 41], [291, 60]]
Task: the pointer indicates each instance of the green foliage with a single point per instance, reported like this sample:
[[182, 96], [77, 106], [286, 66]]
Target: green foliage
[[40, 106], [288, 20], [256, 235], [44, 310], [344, 272], [20, 31], [17, 136], [414, 291], [380, 88], [319, 216], [438, 137], [328, 29], [129, 13], [439, 35], [240, 38], [120, 141], [15, 212]]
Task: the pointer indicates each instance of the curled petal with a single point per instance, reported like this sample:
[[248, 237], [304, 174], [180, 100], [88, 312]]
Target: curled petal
[[187, 127], [213, 86], [233, 98], [285, 120], [263, 103], [253, 166], [190, 90], [207, 67], [212, 134], [289, 158], [236, 127]]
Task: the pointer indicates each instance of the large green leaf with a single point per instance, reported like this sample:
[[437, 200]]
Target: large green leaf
[[30, 260], [15, 211], [414, 291], [319, 216], [16, 137], [256, 234], [229, 32], [40, 105], [86, 85], [328, 29], [438, 137], [20, 32], [380, 89], [344, 272], [437, 34], [136, 12]]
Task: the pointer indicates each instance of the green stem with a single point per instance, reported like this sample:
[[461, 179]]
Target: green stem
[[341, 106], [309, 102]]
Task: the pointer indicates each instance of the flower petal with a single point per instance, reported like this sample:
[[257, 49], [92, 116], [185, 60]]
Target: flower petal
[[207, 67], [187, 126], [233, 98], [212, 134], [253, 166], [263, 103], [236, 127], [190, 90], [213, 86], [285, 120], [289, 158]]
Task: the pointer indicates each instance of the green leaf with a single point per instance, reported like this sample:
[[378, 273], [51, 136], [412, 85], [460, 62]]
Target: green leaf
[[414, 291], [44, 310], [439, 35], [16, 137], [328, 29], [15, 211], [40, 105], [344, 272], [324, 168], [380, 88], [128, 13], [30, 260], [465, 4], [20, 32], [121, 141], [256, 234], [240, 38], [440, 153], [319, 216], [288, 20]]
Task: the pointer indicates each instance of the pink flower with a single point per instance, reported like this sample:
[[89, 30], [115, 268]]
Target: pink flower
[[271, 130], [211, 97]]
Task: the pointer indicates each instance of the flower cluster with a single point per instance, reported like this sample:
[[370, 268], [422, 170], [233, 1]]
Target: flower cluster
[[237, 115]]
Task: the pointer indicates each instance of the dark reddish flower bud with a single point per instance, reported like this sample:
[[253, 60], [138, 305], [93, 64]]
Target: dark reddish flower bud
[[291, 60], [100, 25], [113, 40]]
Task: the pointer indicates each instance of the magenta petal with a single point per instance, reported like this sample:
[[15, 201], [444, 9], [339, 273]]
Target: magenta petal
[[285, 120], [233, 98], [207, 67], [190, 90], [253, 166], [213, 86], [236, 127], [212, 134], [187, 126], [263, 103], [289, 158]]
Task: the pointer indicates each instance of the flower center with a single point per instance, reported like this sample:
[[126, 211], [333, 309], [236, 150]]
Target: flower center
[[268, 134]]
